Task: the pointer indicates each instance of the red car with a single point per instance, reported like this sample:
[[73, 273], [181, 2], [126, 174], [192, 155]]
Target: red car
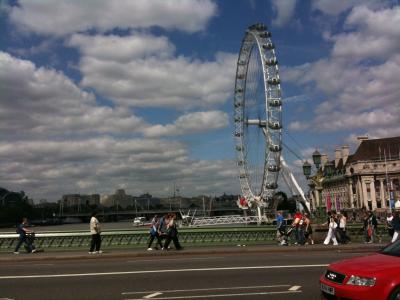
[[374, 277]]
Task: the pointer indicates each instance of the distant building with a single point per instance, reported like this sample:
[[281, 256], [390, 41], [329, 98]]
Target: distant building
[[119, 198], [369, 178], [78, 200]]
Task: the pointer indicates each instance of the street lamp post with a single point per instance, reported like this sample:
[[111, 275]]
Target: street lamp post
[[315, 181]]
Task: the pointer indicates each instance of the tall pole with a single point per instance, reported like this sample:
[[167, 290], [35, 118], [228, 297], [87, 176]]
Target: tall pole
[[387, 182]]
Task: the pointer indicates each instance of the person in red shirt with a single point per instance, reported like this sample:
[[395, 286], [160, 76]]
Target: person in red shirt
[[298, 228]]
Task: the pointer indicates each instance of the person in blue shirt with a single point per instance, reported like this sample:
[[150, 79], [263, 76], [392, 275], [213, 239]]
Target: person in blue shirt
[[22, 230], [154, 233], [280, 227]]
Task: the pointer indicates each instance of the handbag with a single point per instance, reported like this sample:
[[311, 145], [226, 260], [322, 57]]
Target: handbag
[[369, 231]]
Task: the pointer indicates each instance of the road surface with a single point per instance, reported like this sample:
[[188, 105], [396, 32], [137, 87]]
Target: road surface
[[247, 275]]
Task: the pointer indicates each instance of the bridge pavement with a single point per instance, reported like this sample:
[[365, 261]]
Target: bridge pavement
[[188, 251]]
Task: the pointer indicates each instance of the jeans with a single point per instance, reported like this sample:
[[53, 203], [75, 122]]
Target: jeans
[[152, 237], [95, 243], [21, 240]]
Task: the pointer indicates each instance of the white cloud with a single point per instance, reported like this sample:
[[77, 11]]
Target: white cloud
[[139, 77], [46, 102], [298, 126], [337, 7], [340, 120], [52, 168], [374, 133], [360, 79], [284, 10], [64, 17], [135, 46], [376, 35], [190, 123], [57, 139]]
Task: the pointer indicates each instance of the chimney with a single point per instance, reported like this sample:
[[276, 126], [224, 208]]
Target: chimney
[[324, 160], [345, 153], [338, 156]]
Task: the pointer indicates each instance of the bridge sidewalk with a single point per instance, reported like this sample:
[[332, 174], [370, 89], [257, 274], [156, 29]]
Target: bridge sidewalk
[[124, 253]]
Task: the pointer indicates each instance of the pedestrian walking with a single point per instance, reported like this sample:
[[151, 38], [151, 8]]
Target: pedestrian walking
[[172, 233], [298, 228], [370, 226], [308, 232], [342, 236], [332, 225], [154, 233], [396, 224], [23, 231], [280, 228], [389, 224], [95, 231]]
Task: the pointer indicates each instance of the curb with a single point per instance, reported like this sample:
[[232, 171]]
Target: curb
[[234, 250]]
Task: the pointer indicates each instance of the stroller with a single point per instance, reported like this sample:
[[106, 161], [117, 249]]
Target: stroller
[[285, 232], [29, 242]]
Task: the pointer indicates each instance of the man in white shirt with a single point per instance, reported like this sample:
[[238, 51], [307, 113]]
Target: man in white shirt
[[95, 231]]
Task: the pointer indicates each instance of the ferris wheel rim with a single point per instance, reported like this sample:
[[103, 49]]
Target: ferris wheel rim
[[257, 35]]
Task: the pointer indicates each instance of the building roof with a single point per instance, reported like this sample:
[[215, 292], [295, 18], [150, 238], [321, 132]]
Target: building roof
[[377, 149]]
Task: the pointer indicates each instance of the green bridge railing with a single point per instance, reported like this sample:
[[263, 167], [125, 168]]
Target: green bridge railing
[[187, 236]]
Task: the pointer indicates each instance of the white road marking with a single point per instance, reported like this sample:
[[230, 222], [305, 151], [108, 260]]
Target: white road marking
[[160, 271], [152, 295], [220, 295], [295, 288], [211, 289]]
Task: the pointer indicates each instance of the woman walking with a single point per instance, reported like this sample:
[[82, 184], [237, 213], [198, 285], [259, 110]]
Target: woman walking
[[154, 233], [332, 225], [308, 229], [172, 233], [343, 237]]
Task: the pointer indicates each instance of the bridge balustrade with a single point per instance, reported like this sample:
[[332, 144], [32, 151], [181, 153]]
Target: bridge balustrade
[[188, 236]]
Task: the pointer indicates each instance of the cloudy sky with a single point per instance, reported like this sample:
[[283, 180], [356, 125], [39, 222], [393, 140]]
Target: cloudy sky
[[97, 95]]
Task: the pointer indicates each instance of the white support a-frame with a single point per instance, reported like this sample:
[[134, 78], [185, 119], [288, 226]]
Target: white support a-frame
[[291, 182]]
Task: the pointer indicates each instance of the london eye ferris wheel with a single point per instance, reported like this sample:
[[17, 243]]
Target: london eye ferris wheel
[[258, 117]]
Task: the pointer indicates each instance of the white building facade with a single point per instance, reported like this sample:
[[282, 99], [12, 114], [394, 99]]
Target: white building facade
[[369, 178]]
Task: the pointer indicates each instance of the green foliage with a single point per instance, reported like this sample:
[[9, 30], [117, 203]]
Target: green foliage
[[13, 213]]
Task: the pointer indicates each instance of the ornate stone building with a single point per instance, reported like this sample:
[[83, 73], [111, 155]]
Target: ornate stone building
[[368, 178]]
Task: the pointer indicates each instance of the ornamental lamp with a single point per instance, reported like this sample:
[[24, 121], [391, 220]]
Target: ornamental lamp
[[316, 156], [307, 169], [329, 168]]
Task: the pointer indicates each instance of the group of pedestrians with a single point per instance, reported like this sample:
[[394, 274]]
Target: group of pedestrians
[[164, 228], [301, 229], [337, 223]]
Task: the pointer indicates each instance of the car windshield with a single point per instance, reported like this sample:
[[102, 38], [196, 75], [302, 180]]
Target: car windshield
[[392, 249]]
